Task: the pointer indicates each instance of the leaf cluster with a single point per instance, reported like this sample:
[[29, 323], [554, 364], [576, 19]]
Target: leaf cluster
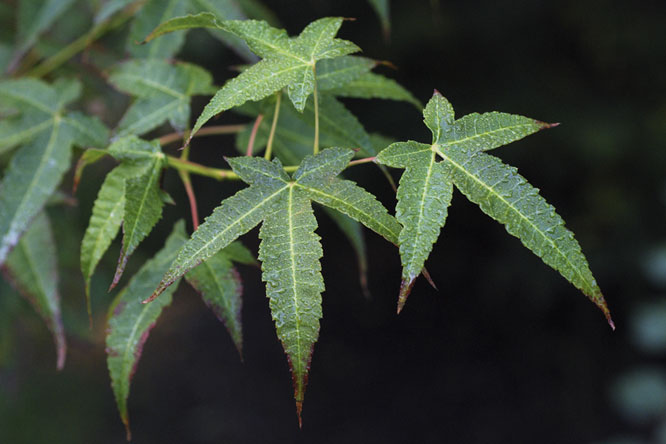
[[297, 143]]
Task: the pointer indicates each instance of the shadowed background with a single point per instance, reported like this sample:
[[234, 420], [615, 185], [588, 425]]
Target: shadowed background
[[505, 352]]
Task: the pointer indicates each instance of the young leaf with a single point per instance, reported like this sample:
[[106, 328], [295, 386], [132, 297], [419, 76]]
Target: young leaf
[[130, 321], [33, 270], [143, 209], [287, 62], [220, 287], [289, 249], [497, 188], [106, 218]]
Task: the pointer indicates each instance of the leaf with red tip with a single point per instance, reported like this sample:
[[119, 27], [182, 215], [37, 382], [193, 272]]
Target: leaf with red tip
[[457, 157], [130, 321], [32, 268]]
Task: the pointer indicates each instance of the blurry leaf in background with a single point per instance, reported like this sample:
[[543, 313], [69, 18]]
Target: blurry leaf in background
[[654, 266], [152, 14], [32, 268], [35, 17], [163, 92], [382, 9]]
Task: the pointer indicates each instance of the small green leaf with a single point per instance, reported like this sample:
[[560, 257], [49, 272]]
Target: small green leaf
[[86, 131], [130, 321], [33, 270], [220, 287], [201, 20], [131, 148], [375, 86], [106, 218], [143, 209]]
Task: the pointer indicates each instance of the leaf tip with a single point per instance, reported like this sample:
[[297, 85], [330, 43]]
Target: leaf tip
[[128, 431], [299, 410], [546, 125], [426, 275], [405, 288], [435, 92]]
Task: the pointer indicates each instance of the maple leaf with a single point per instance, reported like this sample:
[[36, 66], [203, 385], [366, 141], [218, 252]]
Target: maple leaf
[[290, 250], [457, 157], [286, 62]]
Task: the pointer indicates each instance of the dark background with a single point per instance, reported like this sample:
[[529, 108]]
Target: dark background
[[505, 352]]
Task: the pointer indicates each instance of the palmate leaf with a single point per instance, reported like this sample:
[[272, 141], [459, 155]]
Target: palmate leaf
[[47, 134], [33, 270], [425, 190], [290, 249], [220, 287], [130, 321], [163, 93], [286, 62]]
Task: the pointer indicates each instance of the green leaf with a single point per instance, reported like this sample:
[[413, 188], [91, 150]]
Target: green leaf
[[33, 174], [220, 287], [163, 93], [425, 189], [106, 218], [34, 18], [33, 270], [335, 73], [131, 148], [130, 321], [381, 7], [143, 209], [289, 250], [201, 20], [152, 14], [286, 63], [290, 253], [375, 86]]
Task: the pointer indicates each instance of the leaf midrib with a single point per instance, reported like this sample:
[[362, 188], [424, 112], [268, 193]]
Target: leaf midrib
[[451, 143], [156, 168], [292, 257]]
